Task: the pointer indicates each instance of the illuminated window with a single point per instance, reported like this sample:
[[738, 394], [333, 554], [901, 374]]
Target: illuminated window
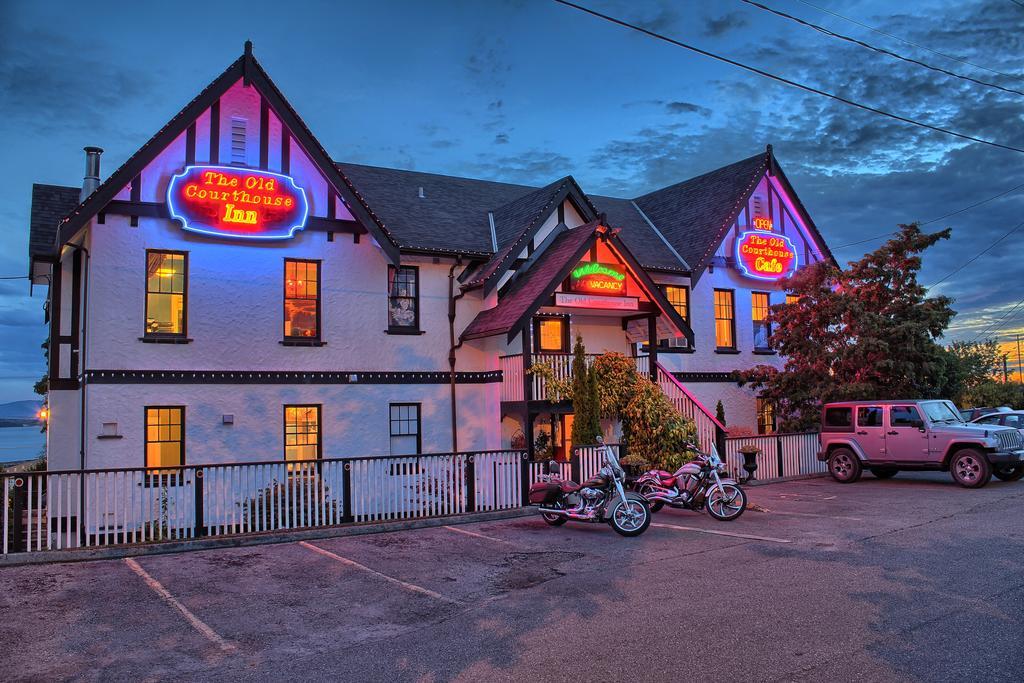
[[405, 434], [792, 299], [301, 299], [679, 297], [759, 303], [165, 437], [765, 416], [725, 319], [166, 285], [302, 432], [403, 299], [551, 335]]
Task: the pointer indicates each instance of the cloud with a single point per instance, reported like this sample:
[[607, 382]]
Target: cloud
[[686, 108], [716, 27], [501, 139]]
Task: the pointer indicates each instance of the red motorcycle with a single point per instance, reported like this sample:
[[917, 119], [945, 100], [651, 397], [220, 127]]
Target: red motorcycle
[[695, 486]]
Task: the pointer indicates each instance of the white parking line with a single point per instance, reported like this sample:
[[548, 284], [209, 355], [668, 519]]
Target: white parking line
[[197, 623], [722, 533], [811, 514], [398, 582], [475, 534]]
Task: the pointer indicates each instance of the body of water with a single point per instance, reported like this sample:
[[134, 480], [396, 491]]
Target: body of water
[[21, 443]]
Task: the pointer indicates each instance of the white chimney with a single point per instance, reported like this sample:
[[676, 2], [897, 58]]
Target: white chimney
[[92, 171]]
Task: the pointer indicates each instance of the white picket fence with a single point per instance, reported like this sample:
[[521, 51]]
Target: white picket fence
[[782, 455]]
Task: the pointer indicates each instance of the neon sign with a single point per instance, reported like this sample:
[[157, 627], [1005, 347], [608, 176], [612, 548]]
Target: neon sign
[[237, 202], [608, 303], [765, 257], [598, 278], [763, 223]]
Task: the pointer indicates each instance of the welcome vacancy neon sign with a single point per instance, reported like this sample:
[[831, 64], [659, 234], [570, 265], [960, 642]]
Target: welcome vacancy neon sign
[[227, 201], [598, 278]]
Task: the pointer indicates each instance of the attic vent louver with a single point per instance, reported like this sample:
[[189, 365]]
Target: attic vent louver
[[238, 125], [421, 194]]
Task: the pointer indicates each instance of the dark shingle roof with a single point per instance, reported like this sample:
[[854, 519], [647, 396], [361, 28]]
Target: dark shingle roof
[[50, 203], [451, 216], [693, 214], [650, 250]]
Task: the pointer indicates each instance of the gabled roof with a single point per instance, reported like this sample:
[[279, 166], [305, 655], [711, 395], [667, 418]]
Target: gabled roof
[[245, 67], [651, 249], [50, 204], [527, 294], [520, 221], [695, 215]]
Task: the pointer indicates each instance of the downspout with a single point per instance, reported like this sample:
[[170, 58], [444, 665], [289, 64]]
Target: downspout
[[82, 349], [453, 347]]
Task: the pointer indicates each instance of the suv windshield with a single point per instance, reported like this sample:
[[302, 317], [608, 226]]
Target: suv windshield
[[938, 411]]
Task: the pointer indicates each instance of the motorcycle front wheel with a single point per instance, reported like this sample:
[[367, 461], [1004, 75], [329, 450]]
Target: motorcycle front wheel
[[727, 503], [630, 517]]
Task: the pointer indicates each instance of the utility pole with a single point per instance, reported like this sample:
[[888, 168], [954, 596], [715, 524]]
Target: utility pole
[[1006, 370], [1020, 368]]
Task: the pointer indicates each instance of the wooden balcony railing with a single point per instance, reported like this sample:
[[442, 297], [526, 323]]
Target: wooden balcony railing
[[512, 387]]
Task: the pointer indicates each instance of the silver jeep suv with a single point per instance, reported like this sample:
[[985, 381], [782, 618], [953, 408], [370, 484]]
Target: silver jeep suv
[[885, 437]]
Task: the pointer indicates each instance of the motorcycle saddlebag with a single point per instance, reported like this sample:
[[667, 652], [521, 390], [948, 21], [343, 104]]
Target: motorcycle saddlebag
[[544, 492]]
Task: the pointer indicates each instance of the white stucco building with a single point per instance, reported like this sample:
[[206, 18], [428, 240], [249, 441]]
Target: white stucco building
[[273, 303]]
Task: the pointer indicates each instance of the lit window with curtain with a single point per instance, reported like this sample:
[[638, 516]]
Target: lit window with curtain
[[759, 305], [765, 416], [302, 432], [403, 299], [679, 297], [792, 299], [165, 437], [301, 299], [725, 319], [551, 335], [406, 437], [166, 291]]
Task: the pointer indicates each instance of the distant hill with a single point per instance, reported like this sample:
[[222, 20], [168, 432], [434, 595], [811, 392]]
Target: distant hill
[[20, 410]]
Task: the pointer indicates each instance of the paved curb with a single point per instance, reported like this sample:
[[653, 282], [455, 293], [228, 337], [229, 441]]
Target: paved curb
[[259, 538], [786, 480]]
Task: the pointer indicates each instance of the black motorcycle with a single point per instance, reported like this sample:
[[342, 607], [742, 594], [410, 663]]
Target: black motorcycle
[[603, 498], [695, 486]]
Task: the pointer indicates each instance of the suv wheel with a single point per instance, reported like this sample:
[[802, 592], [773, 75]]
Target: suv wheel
[[844, 466], [1009, 473], [970, 468]]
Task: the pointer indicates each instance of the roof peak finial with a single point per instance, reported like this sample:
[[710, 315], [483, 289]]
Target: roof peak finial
[[248, 48]]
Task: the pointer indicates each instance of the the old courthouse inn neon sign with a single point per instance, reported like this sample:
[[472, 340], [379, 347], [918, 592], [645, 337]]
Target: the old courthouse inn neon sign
[[237, 202]]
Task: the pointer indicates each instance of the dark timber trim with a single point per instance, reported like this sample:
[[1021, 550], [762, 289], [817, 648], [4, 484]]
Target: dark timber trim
[[190, 144], [286, 377], [215, 131], [264, 134]]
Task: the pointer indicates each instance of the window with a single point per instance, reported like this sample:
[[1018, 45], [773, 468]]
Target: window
[[838, 419], [405, 428], [989, 420], [551, 335], [165, 437], [869, 416], [759, 303], [765, 416], [403, 299], [1015, 421], [301, 299], [166, 286], [679, 297], [302, 432], [792, 299], [725, 319], [903, 416]]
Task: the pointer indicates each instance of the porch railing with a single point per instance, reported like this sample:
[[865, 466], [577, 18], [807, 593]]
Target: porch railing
[[782, 455], [56, 510], [561, 367], [709, 430]]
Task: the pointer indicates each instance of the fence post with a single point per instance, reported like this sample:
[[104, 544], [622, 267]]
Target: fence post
[[524, 479], [17, 543], [197, 486], [470, 484], [346, 492], [778, 453], [574, 465]]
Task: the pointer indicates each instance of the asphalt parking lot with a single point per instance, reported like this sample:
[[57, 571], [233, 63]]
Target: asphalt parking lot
[[908, 579]]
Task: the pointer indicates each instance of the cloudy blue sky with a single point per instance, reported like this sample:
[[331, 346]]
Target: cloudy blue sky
[[527, 90]]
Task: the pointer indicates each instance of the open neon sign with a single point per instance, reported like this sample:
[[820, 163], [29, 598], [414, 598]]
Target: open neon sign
[[765, 257], [598, 278], [237, 202]]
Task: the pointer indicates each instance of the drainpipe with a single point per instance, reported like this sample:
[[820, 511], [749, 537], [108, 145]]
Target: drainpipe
[[453, 347]]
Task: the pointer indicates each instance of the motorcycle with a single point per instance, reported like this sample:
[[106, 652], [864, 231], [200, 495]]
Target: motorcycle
[[695, 486], [603, 498]]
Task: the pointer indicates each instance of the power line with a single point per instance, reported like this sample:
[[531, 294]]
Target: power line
[[1017, 2], [935, 220], [976, 256], [904, 40], [881, 50], [781, 79], [14, 277], [987, 329]]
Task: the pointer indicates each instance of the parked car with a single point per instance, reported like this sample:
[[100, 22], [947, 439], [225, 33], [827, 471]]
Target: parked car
[[971, 414], [1009, 418], [885, 437]]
